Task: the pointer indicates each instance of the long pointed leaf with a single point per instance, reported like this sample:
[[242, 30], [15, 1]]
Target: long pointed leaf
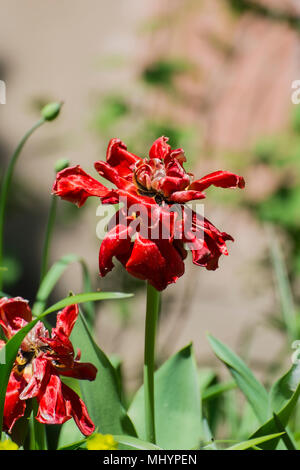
[[253, 390], [284, 415], [130, 442], [177, 403], [254, 442], [102, 396]]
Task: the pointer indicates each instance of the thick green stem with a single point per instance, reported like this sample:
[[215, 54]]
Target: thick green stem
[[153, 301], [5, 186], [49, 231]]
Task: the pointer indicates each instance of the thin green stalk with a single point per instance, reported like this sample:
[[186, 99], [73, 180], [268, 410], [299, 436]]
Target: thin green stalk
[[6, 186], [49, 232], [37, 439], [153, 302]]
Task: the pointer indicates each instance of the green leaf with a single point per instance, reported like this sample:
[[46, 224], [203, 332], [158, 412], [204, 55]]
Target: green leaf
[[130, 442], [177, 403], [254, 391], [10, 350], [102, 396], [283, 284], [86, 297], [290, 445], [218, 389], [281, 392], [283, 415], [207, 377], [284, 388], [69, 435], [73, 446], [254, 442]]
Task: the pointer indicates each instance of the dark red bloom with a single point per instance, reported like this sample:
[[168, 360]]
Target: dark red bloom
[[155, 185], [40, 362]]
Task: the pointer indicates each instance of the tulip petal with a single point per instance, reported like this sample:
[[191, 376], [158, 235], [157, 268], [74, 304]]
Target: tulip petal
[[156, 261], [74, 185], [160, 149], [80, 370], [181, 197], [14, 408], [111, 174], [40, 374], [15, 313], [66, 319], [117, 242], [77, 409], [210, 245], [118, 157], [52, 406], [222, 179]]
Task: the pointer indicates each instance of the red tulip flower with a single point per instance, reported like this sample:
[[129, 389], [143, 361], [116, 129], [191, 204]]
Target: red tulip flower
[[155, 184], [41, 360]]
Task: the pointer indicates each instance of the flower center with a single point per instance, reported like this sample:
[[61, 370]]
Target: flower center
[[25, 357], [31, 347], [147, 175]]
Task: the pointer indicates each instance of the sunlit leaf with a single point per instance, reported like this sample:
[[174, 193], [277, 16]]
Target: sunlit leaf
[[102, 396], [177, 403], [254, 442], [253, 390]]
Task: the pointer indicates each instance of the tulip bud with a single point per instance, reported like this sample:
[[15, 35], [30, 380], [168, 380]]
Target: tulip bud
[[51, 111], [61, 165]]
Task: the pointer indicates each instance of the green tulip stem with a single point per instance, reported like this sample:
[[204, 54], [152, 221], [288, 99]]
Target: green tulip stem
[[153, 303]]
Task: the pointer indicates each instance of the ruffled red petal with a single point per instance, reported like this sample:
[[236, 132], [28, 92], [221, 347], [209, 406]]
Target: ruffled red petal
[[41, 374], [118, 157], [111, 174], [66, 319], [52, 406], [74, 185], [171, 184], [222, 179], [180, 197], [208, 243], [157, 261], [77, 409], [117, 242], [80, 370], [160, 148], [14, 408], [15, 313]]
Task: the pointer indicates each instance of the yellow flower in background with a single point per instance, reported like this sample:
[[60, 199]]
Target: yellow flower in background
[[102, 442], [8, 445]]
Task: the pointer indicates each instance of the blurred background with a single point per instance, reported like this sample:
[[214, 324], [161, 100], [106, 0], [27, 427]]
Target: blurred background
[[213, 75]]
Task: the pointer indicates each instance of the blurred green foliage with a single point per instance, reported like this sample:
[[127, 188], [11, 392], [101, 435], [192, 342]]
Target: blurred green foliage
[[266, 11], [282, 153], [163, 72], [110, 110], [12, 271]]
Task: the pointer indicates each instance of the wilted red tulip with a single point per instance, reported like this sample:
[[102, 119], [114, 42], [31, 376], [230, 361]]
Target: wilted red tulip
[[156, 184], [40, 362]]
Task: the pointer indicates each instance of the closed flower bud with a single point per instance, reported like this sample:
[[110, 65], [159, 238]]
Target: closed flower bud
[[51, 111]]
